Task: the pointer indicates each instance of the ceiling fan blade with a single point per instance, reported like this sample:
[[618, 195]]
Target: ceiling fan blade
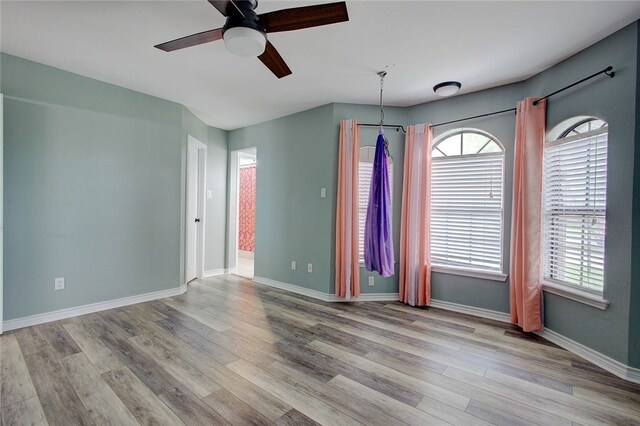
[[191, 40], [272, 59], [227, 8], [304, 17]]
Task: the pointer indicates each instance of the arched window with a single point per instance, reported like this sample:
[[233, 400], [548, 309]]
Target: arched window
[[365, 169], [574, 206], [466, 201]]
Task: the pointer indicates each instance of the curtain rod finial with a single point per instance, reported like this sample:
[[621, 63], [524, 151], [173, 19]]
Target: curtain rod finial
[[609, 71]]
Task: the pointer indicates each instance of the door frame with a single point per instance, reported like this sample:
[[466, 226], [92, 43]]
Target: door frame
[[233, 202], [1, 211], [192, 142]]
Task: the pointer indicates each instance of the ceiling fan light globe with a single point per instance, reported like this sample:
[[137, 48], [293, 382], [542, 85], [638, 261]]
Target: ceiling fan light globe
[[243, 41]]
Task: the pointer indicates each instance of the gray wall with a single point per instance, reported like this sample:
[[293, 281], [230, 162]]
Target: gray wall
[[93, 190], [613, 100], [296, 156]]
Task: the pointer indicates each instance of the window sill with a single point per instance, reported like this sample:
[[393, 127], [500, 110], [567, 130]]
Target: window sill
[[590, 299], [475, 273]]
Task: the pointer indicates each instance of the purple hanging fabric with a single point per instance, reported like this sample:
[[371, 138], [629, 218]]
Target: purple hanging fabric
[[378, 238]]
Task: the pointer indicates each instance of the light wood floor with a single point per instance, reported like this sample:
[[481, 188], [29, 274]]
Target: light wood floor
[[230, 352]]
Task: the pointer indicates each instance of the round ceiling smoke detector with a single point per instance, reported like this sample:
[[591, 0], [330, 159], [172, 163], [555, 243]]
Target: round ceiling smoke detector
[[447, 88]]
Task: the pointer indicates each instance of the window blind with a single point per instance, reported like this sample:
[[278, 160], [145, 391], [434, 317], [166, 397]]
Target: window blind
[[574, 203], [467, 211], [365, 169]]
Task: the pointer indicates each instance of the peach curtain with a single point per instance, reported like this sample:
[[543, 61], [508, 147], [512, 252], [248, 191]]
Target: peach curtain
[[415, 263], [347, 263], [524, 275]]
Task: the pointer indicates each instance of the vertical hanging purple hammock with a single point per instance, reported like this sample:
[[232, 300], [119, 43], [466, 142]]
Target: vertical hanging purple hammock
[[378, 238]]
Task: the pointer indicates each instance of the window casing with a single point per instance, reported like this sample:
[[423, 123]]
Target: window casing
[[467, 201], [574, 207], [365, 169]]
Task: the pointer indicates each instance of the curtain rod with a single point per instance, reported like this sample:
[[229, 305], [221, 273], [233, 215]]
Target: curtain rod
[[475, 116], [608, 71], [398, 127]]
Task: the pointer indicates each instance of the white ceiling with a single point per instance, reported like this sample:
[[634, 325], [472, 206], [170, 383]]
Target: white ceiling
[[482, 44]]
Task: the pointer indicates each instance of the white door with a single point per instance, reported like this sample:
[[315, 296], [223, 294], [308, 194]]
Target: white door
[[194, 253], [192, 211]]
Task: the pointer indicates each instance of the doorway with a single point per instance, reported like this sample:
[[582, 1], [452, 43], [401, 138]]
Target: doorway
[[196, 178], [243, 206]]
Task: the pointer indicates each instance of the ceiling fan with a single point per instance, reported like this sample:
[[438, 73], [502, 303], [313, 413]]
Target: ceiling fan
[[245, 32]]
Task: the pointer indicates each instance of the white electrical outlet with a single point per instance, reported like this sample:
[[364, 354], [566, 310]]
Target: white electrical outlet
[[309, 267], [59, 283], [209, 193], [371, 281], [323, 192], [293, 265]]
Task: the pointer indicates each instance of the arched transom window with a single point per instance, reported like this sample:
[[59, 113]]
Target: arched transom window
[[467, 201], [574, 206]]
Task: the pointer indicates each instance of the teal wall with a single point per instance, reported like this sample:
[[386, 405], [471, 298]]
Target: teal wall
[[216, 207], [1, 205], [613, 100], [368, 136], [634, 301], [481, 293], [93, 189], [296, 156], [288, 202]]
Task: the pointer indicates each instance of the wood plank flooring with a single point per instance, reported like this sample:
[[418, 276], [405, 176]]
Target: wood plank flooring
[[232, 352]]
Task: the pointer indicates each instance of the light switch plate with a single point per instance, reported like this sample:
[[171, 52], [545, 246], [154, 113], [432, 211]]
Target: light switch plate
[[371, 281], [323, 192], [293, 265], [209, 193]]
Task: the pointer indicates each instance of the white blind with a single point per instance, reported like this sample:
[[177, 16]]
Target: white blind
[[365, 169], [466, 211], [574, 202]]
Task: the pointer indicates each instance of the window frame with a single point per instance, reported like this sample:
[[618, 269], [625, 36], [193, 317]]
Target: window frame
[[559, 287], [482, 273]]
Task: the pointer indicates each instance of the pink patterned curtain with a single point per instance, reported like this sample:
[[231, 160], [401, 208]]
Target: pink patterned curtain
[[524, 275], [415, 263], [247, 208], [347, 263]]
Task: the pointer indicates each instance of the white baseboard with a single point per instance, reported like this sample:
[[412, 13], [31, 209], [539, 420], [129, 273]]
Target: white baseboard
[[471, 310], [611, 365], [214, 272], [326, 297], [90, 308]]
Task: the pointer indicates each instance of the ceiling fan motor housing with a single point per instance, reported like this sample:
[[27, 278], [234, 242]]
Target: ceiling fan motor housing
[[248, 19], [242, 34]]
